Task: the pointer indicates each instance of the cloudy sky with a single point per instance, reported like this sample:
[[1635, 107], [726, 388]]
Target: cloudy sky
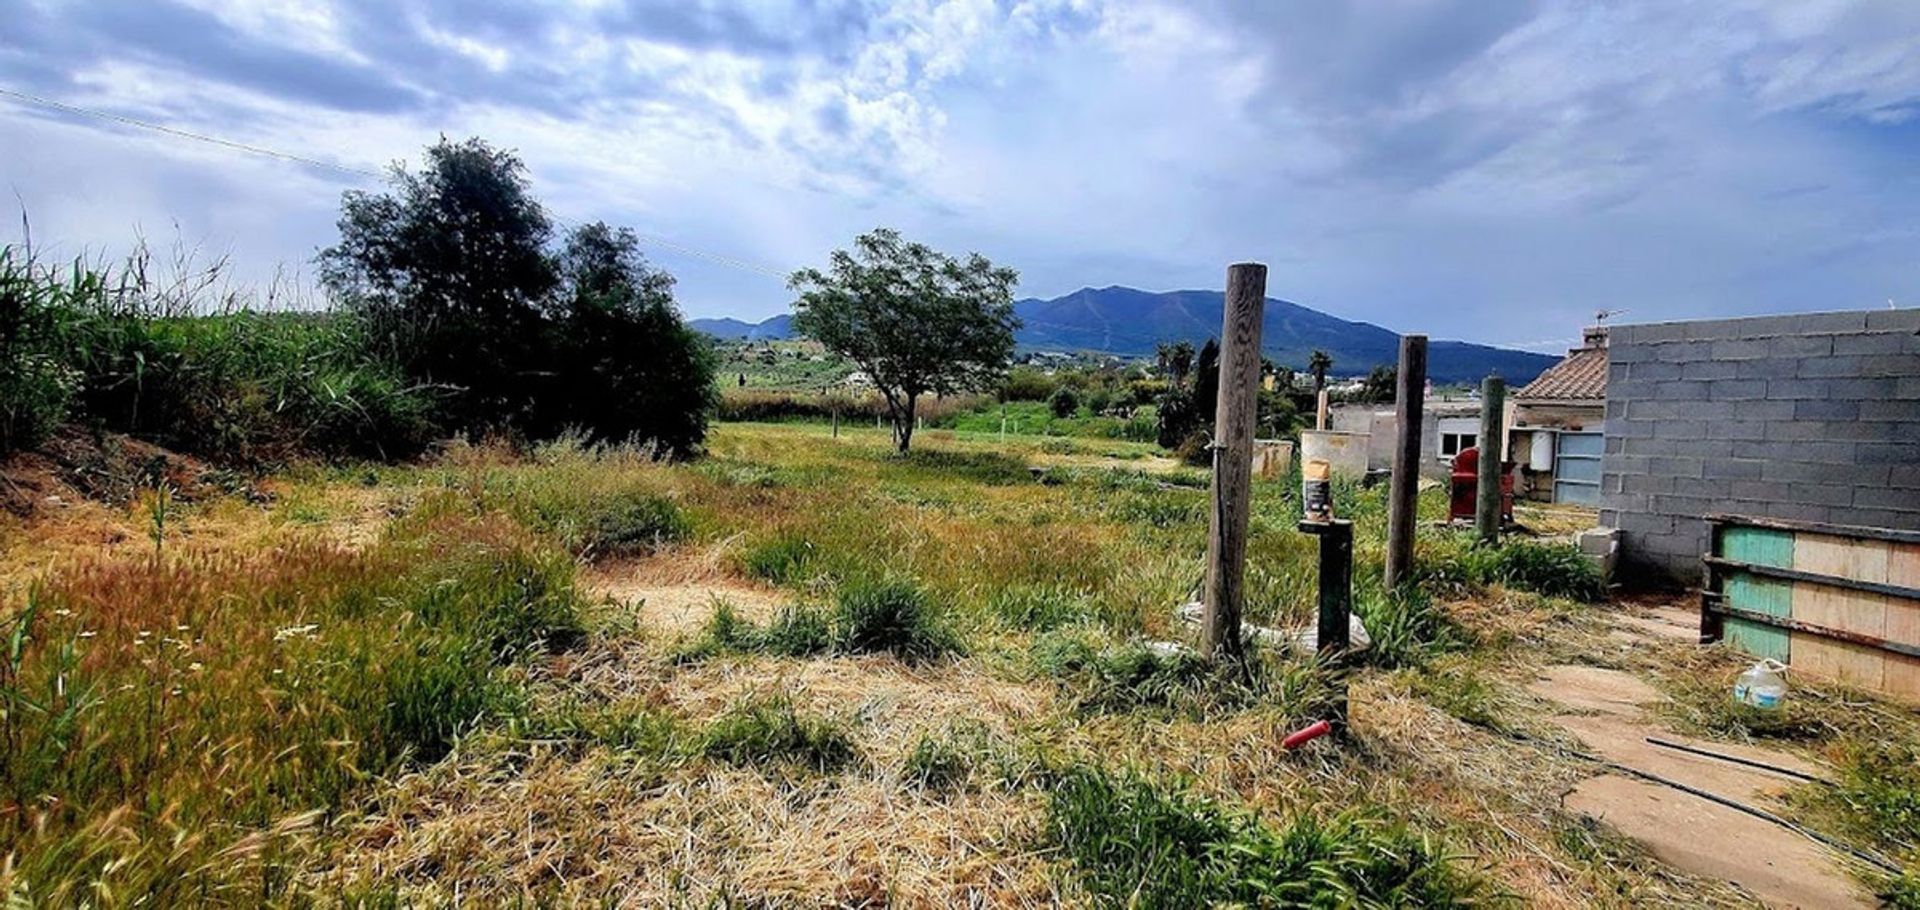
[[1479, 169]]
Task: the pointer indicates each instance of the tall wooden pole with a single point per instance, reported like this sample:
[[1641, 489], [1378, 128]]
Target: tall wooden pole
[[1404, 493], [1493, 426], [1320, 410], [1234, 416]]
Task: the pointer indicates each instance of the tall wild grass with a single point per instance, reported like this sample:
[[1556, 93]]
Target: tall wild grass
[[170, 353], [173, 722]]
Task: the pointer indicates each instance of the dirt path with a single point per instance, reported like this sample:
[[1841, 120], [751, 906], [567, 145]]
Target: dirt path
[[1606, 711]]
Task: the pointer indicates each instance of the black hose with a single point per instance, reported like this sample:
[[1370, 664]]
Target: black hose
[[1789, 772]]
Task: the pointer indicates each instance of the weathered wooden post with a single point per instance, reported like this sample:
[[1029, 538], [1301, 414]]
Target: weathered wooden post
[[1403, 495], [1234, 415], [1320, 410], [1493, 425]]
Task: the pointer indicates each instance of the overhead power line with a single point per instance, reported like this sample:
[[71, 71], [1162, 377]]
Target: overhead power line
[[183, 134], [721, 259]]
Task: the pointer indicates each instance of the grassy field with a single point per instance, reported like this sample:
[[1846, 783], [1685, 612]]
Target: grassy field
[[804, 670]]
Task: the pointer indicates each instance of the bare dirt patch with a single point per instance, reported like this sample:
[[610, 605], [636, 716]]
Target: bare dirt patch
[[674, 593]]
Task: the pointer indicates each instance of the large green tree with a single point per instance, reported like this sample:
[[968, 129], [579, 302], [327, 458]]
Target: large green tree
[[454, 275], [913, 319], [450, 272]]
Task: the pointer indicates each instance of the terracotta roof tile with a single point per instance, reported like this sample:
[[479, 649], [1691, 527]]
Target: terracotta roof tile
[[1582, 376]]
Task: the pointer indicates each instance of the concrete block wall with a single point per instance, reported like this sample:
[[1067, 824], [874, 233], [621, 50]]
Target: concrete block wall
[[1814, 417]]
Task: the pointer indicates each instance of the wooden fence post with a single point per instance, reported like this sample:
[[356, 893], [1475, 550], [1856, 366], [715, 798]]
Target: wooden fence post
[[1493, 427], [1234, 415], [1403, 496]]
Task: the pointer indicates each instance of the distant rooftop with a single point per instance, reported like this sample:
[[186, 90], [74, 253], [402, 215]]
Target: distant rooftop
[[1581, 376]]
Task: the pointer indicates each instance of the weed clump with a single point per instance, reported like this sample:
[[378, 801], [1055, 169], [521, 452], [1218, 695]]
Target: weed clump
[[1136, 843], [1878, 792], [783, 559], [885, 617], [592, 501], [892, 616], [770, 734], [1457, 562], [1040, 608], [941, 763], [1406, 626], [1137, 676]]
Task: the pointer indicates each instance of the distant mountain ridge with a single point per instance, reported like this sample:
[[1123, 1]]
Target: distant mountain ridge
[[1131, 322], [777, 328]]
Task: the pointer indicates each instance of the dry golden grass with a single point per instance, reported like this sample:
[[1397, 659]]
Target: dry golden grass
[[555, 822]]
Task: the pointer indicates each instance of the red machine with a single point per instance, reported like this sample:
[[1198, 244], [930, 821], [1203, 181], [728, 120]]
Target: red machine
[[1466, 486]]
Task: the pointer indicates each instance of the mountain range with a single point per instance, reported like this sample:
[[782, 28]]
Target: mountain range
[[1130, 322]]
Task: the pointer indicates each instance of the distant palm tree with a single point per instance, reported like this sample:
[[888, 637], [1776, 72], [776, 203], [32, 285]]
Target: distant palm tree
[[1318, 364]]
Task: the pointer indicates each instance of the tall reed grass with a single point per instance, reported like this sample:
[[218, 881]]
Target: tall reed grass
[[171, 353]]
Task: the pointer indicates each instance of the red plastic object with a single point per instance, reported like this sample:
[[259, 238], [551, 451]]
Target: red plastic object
[[1306, 734], [1466, 483]]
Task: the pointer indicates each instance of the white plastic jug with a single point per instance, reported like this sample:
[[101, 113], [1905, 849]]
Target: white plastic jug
[[1763, 686]]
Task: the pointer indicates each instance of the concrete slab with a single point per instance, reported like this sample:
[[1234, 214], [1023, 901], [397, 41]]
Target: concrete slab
[[1662, 624], [1594, 689], [1623, 740], [1778, 866]]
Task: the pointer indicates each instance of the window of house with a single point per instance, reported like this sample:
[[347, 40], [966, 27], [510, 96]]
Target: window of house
[[1452, 444]]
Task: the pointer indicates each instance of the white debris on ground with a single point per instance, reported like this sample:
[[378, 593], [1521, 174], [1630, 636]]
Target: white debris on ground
[[1304, 639]]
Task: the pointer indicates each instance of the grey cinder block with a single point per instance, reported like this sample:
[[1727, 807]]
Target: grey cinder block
[[1798, 388], [1826, 409], [1710, 369], [1789, 346], [1901, 320], [1736, 389]]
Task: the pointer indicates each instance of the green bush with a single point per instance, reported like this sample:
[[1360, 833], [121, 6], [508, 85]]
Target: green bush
[[1136, 843], [1027, 384], [515, 335], [36, 382], [1063, 403], [610, 520]]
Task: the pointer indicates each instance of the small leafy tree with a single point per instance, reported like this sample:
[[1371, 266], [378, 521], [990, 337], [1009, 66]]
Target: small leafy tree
[[626, 366], [1064, 403], [914, 320], [1379, 385], [1187, 410], [1318, 364]]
